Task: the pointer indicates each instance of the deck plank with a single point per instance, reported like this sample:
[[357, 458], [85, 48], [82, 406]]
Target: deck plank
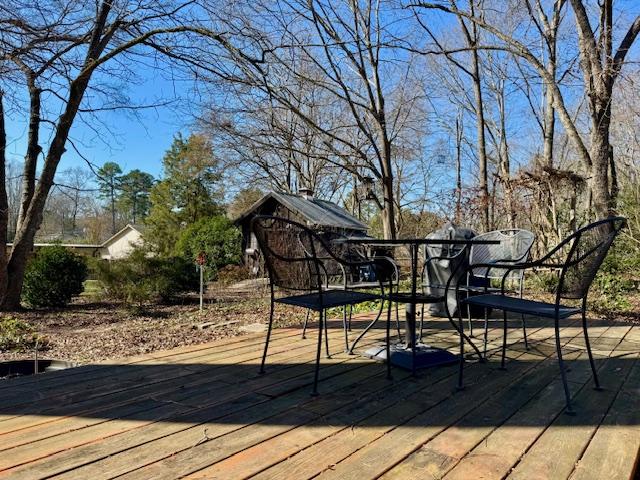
[[210, 415], [440, 455], [557, 450]]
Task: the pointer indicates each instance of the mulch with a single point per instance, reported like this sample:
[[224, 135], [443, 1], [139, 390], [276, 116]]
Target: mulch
[[89, 330]]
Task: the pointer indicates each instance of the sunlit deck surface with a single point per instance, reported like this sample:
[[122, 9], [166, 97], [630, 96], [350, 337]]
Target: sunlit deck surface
[[204, 412]]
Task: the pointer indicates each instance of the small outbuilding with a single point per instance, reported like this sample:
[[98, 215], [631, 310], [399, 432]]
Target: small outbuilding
[[302, 207]]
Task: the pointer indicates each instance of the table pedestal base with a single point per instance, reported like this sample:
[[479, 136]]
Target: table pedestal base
[[401, 356]]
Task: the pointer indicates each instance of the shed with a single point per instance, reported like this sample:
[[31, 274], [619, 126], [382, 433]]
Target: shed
[[317, 214]]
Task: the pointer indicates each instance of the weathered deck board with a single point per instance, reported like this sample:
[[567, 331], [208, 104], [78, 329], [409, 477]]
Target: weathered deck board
[[204, 412]]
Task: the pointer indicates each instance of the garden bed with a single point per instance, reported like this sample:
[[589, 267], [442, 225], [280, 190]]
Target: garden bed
[[88, 330]]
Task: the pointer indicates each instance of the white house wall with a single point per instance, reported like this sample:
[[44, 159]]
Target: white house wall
[[121, 246]]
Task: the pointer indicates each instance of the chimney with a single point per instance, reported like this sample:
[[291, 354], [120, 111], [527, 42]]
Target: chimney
[[305, 193]]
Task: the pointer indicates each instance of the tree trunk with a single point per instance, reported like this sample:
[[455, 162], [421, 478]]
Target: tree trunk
[[388, 208], [4, 204], [459, 136], [482, 143], [603, 203]]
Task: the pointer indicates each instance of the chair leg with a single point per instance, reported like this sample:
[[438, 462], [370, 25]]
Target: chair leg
[[388, 342], [266, 343], [563, 374], [586, 340], [326, 335], [469, 317], [398, 323], [460, 385], [524, 325], [421, 322], [304, 327], [367, 328], [350, 315], [344, 327], [314, 392], [504, 340], [486, 332], [524, 333]]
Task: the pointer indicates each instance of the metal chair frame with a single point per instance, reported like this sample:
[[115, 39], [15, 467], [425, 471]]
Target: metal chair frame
[[555, 310], [318, 295], [347, 283], [518, 278]]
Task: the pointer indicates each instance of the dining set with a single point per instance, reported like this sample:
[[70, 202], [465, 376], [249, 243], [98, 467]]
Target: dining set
[[463, 276]]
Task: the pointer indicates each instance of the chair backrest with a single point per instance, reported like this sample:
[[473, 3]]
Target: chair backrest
[[587, 249], [515, 246], [290, 252]]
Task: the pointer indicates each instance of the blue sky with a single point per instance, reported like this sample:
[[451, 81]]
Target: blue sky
[[132, 142]]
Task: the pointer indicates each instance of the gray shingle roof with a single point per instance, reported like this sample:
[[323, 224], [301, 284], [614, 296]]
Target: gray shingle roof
[[317, 213]]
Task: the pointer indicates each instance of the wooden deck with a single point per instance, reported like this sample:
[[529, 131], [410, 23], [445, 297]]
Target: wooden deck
[[203, 412]]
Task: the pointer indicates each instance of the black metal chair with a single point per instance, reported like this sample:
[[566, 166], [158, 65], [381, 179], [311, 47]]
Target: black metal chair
[[514, 247], [343, 277], [292, 254], [577, 258]]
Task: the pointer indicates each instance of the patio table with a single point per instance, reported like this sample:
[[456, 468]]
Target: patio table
[[413, 355]]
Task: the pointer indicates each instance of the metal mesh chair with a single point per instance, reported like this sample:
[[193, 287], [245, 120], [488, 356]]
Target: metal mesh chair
[[514, 247], [343, 277], [577, 258], [293, 257]]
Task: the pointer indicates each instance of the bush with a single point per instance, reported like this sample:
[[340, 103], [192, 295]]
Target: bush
[[19, 336], [217, 238], [53, 277], [231, 274], [141, 278]]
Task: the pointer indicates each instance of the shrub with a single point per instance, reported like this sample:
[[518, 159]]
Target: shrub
[[141, 278], [217, 238], [19, 336], [230, 274], [53, 277]]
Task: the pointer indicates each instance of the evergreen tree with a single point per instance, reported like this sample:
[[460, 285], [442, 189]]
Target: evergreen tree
[[134, 199], [109, 176], [190, 190]]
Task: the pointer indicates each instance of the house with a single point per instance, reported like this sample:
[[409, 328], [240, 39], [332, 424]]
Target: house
[[119, 245], [304, 208]]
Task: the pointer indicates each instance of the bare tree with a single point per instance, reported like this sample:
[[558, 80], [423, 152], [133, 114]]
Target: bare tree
[[58, 52], [75, 184], [600, 66], [347, 42]]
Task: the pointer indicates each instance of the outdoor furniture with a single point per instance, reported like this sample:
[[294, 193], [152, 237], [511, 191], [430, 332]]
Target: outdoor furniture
[[442, 263], [577, 258], [292, 255], [514, 247], [411, 355], [342, 277]]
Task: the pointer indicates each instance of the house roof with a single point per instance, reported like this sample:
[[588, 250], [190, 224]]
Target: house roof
[[317, 213], [122, 231]]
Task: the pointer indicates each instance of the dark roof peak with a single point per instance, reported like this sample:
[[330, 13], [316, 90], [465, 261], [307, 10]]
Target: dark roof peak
[[316, 212]]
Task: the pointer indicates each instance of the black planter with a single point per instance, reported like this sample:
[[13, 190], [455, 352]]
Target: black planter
[[19, 368]]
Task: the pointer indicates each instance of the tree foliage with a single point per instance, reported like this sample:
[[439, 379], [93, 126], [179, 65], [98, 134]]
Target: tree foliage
[[190, 190], [134, 196], [217, 237]]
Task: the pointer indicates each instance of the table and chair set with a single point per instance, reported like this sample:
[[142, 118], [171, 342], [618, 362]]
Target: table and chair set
[[320, 271]]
